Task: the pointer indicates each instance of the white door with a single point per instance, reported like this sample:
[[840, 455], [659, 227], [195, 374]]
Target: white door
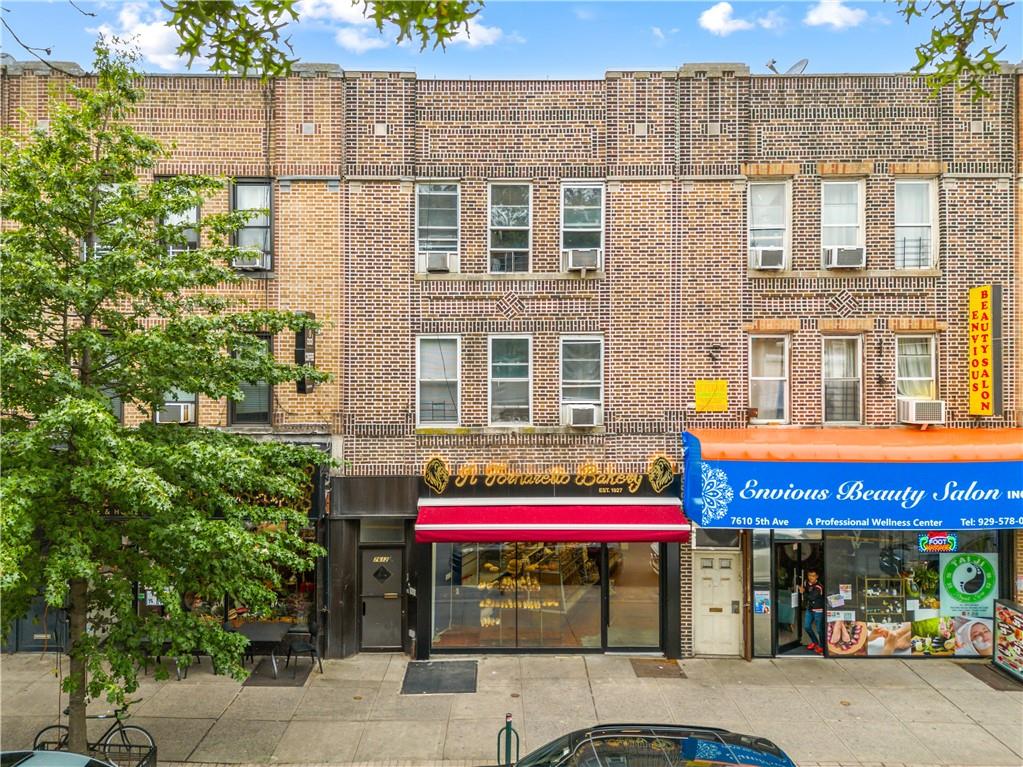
[[717, 603]]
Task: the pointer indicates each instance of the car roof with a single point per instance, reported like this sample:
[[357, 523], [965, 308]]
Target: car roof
[[48, 759]]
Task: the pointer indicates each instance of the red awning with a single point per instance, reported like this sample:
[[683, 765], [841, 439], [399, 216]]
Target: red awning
[[550, 519]]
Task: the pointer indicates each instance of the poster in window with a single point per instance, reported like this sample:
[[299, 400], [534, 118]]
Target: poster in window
[[968, 584], [1008, 640]]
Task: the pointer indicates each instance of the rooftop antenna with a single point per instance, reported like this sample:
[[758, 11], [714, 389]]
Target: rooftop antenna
[[770, 65], [798, 67]]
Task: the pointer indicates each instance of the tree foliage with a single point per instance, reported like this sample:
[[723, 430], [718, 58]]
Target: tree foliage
[[250, 36], [97, 306], [956, 53]]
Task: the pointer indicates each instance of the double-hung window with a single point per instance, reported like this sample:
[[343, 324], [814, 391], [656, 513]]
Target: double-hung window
[[843, 380], [254, 405], [436, 218], [509, 227], [256, 235], [582, 216], [186, 236], [841, 214], [437, 397], [769, 378], [767, 223], [510, 380], [582, 370], [914, 229], [914, 367]]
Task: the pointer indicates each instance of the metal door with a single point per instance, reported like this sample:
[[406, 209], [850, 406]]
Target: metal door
[[718, 626], [381, 578]]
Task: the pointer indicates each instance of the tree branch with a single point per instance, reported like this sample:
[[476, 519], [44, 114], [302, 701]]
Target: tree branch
[[32, 51]]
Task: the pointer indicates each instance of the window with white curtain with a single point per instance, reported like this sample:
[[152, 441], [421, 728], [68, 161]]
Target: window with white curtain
[[842, 380], [510, 380], [767, 206], [769, 378], [582, 378], [582, 216], [840, 214], [438, 381], [509, 227], [437, 218], [253, 196], [914, 231], [914, 367]]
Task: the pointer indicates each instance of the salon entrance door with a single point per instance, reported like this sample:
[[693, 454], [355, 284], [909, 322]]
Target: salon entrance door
[[792, 559]]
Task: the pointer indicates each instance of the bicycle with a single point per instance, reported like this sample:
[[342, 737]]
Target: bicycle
[[119, 740]]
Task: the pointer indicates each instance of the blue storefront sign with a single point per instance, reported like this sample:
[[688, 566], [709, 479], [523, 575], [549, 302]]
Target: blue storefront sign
[[851, 495]]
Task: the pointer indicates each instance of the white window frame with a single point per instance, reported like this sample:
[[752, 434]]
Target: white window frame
[[932, 195], [861, 213], [569, 184], [490, 378], [561, 361], [458, 378], [825, 379], [787, 414], [933, 341], [271, 211], [528, 227], [421, 254], [787, 237]]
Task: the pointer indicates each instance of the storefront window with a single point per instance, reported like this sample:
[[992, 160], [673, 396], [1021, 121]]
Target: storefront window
[[634, 595], [902, 593], [527, 595]]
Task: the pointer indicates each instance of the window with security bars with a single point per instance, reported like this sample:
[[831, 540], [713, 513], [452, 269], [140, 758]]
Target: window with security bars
[[438, 381], [254, 405], [582, 370], [437, 218], [914, 367], [509, 227], [582, 216], [253, 196], [842, 380], [510, 378], [914, 230]]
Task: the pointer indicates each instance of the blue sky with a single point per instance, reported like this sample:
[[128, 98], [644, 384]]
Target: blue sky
[[513, 39]]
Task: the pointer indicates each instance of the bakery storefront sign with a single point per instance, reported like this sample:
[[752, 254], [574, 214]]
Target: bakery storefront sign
[[985, 350]]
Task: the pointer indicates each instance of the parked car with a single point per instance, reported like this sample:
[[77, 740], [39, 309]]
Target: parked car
[[48, 759], [612, 745]]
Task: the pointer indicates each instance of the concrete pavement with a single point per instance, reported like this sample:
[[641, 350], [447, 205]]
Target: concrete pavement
[[858, 712]]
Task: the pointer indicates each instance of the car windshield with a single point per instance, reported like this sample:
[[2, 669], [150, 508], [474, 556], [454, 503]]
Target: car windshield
[[549, 755]]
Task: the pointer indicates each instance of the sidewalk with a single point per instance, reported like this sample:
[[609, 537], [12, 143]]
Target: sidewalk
[[822, 712]]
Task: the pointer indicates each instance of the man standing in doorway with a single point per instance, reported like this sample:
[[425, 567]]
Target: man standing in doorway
[[813, 611]]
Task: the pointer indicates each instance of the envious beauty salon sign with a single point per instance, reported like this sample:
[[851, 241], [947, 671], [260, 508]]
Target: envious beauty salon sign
[[856, 495]]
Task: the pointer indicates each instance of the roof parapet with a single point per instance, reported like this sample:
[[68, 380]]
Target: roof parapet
[[714, 69]]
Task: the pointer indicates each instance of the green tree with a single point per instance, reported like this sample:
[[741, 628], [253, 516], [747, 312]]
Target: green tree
[[958, 52], [250, 36], [96, 307]]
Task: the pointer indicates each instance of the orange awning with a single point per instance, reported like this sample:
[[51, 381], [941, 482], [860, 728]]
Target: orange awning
[[870, 445]]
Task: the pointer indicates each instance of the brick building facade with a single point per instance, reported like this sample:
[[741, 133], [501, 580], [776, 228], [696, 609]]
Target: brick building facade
[[674, 298]]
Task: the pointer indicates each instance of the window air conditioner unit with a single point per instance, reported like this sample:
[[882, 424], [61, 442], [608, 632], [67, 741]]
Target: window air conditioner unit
[[767, 258], [844, 258], [582, 415], [176, 412], [922, 411], [579, 260], [253, 261], [439, 262]]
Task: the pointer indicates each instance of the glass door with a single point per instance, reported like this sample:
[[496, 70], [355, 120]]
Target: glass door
[[792, 559], [634, 596]]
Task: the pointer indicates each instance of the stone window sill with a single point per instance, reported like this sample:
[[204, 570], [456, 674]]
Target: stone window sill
[[508, 277], [757, 274], [467, 430]]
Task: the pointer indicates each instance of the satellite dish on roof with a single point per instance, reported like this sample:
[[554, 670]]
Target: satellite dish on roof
[[798, 67]]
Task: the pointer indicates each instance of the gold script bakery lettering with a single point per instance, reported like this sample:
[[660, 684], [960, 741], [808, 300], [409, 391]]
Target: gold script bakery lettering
[[495, 474], [590, 474]]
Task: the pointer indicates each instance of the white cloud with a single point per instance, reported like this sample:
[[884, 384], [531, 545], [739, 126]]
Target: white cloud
[[147, 28], [718, 20], [658, 33], [360, 39], [773, 20], [584, 14], [834, 14], [480, 35], [344, 11]]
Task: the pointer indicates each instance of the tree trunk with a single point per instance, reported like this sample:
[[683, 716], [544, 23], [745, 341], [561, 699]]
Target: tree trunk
[[78, 740]]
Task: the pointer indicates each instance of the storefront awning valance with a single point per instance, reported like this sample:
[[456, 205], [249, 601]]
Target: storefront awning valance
[[551, 520], [906, 479]]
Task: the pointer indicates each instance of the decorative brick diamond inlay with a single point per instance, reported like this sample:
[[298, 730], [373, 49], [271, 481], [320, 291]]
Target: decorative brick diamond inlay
[[843, 303], [510, 305]]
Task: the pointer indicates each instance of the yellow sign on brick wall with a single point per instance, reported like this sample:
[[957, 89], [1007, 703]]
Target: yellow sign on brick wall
[[711, 395], [985, 350]]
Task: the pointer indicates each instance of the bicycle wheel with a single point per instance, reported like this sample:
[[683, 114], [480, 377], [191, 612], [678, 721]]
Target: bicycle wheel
[[127, 746], [52, 738]]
